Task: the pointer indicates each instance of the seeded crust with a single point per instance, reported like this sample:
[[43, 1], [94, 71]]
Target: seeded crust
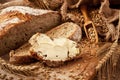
[[15, 34]]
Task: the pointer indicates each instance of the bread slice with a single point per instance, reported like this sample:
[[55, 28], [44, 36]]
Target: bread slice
[[19, 23], [66, 27], [22, 55], [53, 52]]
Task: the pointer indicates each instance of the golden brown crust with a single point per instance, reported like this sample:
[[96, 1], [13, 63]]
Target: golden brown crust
[[75, 35], [10, 15]]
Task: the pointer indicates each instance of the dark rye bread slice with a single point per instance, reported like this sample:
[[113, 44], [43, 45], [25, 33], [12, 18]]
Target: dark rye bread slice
[[18, 24], [69, 30]]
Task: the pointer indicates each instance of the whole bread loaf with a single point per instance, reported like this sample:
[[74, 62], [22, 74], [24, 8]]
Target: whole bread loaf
[[67, 30], [18, 24]]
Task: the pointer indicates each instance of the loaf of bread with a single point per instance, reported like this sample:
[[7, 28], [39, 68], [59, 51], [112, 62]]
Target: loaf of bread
[[18, 24], [66, 30]]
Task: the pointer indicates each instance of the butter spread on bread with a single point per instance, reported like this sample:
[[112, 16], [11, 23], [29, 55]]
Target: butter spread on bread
[[57, 49]]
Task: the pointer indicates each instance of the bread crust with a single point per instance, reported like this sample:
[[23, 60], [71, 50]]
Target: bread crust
[[76, 35]]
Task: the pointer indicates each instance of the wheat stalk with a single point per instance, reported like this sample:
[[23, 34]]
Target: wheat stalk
[[25, 70]]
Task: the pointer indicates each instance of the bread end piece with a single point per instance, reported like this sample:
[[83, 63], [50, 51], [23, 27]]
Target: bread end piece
[[21, 55]]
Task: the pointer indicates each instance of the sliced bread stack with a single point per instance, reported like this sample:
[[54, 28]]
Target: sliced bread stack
[[19, 23], [64, 37]]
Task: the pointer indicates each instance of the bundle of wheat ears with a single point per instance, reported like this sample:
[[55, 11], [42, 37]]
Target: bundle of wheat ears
[[59, 40]]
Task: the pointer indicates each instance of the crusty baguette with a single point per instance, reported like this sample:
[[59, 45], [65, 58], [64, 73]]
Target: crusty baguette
[[18, 24], [65, 27]]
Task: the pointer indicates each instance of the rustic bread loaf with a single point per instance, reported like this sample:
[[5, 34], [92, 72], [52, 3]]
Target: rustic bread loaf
[[18, 24], [65, 30]]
